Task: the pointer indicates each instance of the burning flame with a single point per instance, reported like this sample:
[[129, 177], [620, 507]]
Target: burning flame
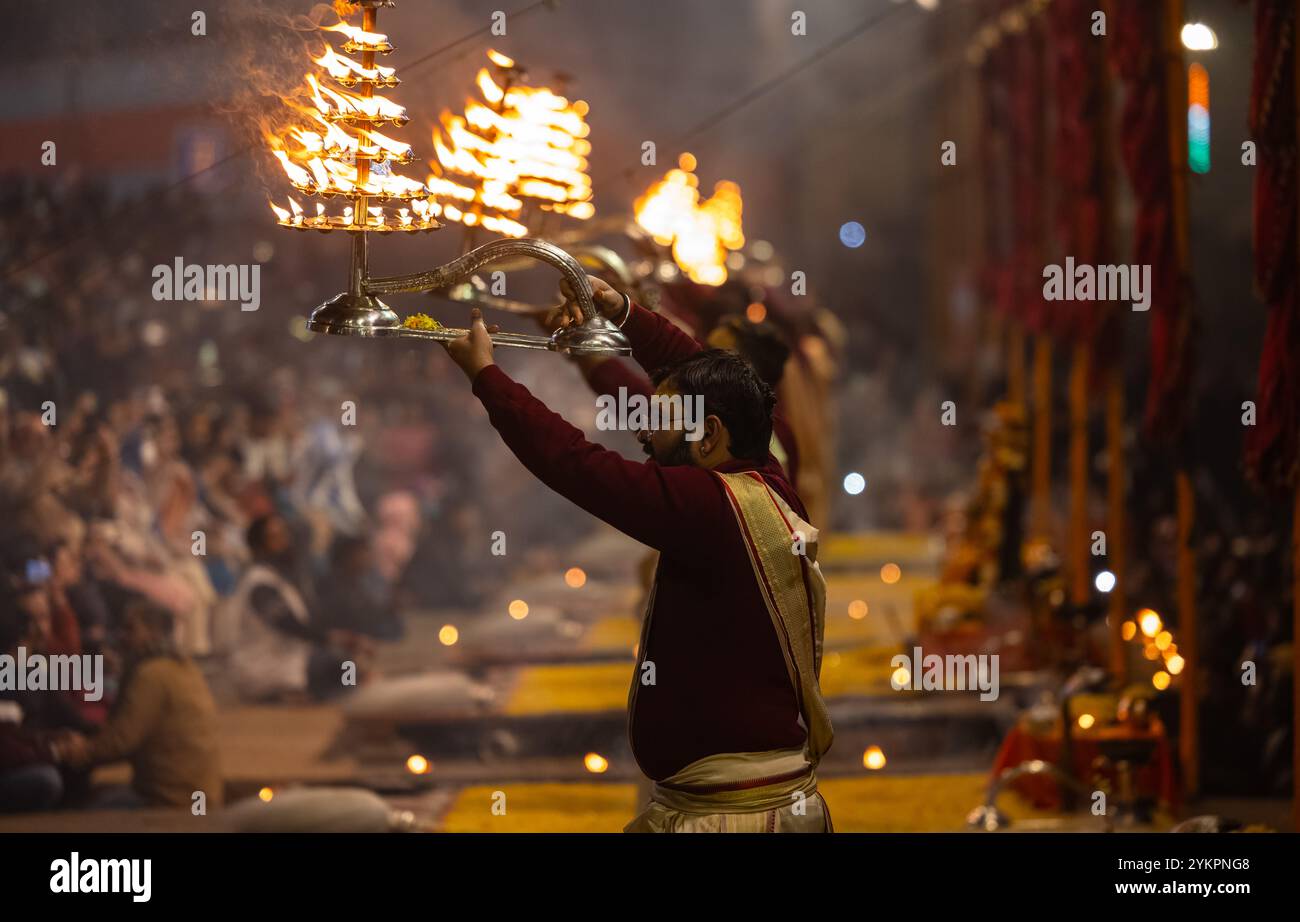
[[700, 233], [518, 144], [334, 148], [360, 39], [346, 70]]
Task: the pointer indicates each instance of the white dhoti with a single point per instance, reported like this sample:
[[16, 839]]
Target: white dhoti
[[738, 792]]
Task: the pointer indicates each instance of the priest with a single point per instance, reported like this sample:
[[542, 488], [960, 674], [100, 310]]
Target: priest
[[725, 713]]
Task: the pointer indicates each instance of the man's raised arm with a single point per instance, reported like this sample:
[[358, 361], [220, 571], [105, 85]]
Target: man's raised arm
[[673, 509]]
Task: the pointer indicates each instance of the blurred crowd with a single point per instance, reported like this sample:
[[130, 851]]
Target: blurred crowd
[[194, 485]]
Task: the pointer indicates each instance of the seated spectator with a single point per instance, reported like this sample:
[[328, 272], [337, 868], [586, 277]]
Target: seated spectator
[[28, 571], [73, 590], [275, 647], [163, 722], [163, 571], [29, 778], [354, 595]]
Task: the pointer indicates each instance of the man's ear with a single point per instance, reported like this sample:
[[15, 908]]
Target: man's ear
[[715, 436]]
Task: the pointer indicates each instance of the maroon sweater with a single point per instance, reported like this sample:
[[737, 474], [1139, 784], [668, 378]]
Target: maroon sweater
[[720, 679]]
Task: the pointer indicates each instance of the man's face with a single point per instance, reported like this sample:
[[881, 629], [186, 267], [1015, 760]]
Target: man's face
[[667, 445], [137, 635]]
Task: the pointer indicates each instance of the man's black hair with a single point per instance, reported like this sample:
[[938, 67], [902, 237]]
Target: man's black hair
[[161, 625], [762, 344], [732, 391], [160, 621]]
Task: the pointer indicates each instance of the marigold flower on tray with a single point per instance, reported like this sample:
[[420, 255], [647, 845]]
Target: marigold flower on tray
[[421, 322]]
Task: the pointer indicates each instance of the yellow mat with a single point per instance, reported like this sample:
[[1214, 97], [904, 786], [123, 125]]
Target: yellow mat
[[873, 803], [586, 687], [859, 671], [870, 546], [543, 808]]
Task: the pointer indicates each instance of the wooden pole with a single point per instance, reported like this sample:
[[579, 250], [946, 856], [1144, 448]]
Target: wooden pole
[[1080, 538], [1041, 484], [1116, 514], [1176, 113], [1041, 474]]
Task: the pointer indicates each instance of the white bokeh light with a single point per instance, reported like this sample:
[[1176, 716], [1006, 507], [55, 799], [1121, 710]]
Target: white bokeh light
[[1105, 581], [854, 483], [1197, 36]]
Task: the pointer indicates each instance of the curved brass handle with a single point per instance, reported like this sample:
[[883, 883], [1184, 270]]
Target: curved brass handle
[[359, 312], [591, 257], [461, 268]]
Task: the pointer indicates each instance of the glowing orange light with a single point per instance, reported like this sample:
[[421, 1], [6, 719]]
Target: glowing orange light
[[1128, 630], [1175, 664], [265, 795], [1198, 86], [575, 578], [518, 609], [1086, 721], [595, 763], [890, 573], [873, 758], [417, 765], [700, 233], [756, 312], [514, 144], [1161, 680], [1149, 621], [857, 609], [448, 635]]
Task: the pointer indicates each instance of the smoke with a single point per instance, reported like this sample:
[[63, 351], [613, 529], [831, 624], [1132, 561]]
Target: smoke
[[266, 74]]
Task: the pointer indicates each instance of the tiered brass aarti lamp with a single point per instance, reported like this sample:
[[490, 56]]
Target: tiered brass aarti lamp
[[343, 156]]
